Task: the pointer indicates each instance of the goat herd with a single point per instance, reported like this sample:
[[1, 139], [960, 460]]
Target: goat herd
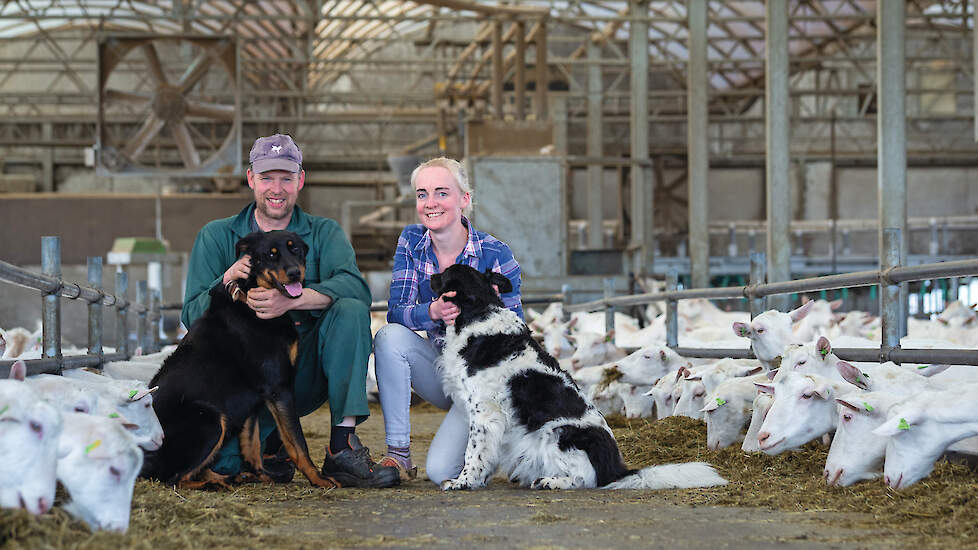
[[87, 430]]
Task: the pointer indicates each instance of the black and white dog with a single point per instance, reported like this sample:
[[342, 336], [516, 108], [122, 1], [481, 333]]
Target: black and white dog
[[526, 414]]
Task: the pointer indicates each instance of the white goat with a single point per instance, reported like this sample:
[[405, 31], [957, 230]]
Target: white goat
[[921, 428], [759, 409], [131, 399], [804, 408], [98, 467], [857, 453], [728, 409], [770, 332], [29, 430]]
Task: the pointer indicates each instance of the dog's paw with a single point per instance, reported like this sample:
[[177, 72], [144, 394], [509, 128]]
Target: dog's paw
[[552, 483], [454, 485]]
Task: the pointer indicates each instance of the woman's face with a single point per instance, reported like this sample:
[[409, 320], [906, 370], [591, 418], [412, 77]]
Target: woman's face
[[439, 200]]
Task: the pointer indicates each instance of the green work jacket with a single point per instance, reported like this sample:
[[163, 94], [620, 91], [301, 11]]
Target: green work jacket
[[331, 267]]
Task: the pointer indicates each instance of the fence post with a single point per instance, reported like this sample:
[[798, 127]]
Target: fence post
[[609, 311], [142, 324], [154, 320], [890, 306], [122, 312], [672, 319], [95, 308], [566, 291], [758, 270], [51, 305]]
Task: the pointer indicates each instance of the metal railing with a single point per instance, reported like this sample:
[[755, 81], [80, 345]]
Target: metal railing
[[527, 300], [53, 288], [889, 281]]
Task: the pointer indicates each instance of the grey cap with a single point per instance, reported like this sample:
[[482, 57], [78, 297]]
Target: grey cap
[[276, 152]]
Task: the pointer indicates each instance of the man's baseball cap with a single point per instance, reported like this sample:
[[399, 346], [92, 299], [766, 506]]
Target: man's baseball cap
[[276, 152]]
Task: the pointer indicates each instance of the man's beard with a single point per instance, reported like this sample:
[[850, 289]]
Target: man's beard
[[274, 215]]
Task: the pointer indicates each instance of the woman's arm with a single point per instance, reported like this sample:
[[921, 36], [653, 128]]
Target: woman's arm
[[402, 306]]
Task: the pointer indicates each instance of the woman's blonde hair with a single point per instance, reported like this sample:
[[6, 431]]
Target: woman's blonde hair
[[457, 171]]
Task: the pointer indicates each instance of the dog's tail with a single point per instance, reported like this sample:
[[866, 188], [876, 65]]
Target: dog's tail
[[670, 476]]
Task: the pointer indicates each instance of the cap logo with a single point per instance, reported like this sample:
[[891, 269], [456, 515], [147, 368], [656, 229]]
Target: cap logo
[[276, 148]]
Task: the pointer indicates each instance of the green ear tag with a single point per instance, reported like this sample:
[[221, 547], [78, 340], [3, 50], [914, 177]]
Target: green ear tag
[[720, 402], [4, 409], [869, 408], [922, 367], [114, 415], [132, 393], [824, 352], [93, 446], [903, 425]]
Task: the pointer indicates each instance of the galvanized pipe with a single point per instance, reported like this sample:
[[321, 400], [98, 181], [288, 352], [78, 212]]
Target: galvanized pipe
[[142, 297], [609, 312], [45, 284], [51, 365], [825, 282], [890, 306], [777, 136], [958, 268], [122, 313], [672, 313], [565, 302], [95, 307], [154, 320], [697, 140], [707, 353], [757, 271], [51, 303]]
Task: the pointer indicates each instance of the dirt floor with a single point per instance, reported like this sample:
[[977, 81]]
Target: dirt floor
[[771, 502]]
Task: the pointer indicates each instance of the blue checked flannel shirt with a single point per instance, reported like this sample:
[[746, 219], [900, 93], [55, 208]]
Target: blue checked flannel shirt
[[415, 263]]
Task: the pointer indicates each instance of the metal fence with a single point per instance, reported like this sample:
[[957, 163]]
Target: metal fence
[[53, 288], [889, 280]]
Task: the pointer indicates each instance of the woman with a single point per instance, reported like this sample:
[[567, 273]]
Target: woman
[[405, 360]]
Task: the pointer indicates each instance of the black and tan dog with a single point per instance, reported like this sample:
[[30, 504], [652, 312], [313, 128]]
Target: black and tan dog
[[230, 365]]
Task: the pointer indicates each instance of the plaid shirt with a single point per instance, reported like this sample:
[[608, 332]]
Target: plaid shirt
[[415, 263]]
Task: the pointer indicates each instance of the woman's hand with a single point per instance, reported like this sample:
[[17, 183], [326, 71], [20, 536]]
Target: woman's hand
[[238, 270], [444, 310]]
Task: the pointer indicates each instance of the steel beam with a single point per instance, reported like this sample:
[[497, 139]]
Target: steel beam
[[697, 140], [776, 106], [643, 222]]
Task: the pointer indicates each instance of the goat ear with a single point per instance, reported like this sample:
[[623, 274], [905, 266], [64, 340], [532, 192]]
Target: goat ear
[[751, 371], [771, 374], [835, 304], [823, 346], [712, 405], [846, 402], [662, 356], [764, 388], [800, 313], [931, 370], [852, 375], [18, 371], [895, 425], [822, 390], [741, 329], [500, 280], [246, 242]]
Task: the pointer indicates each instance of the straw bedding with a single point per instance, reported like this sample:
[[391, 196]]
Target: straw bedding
[[940, 511]]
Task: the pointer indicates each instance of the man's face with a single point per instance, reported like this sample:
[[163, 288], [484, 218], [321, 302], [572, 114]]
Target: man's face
[[276, 192]]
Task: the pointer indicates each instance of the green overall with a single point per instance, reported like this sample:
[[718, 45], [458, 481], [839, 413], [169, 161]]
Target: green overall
[[334, 344]]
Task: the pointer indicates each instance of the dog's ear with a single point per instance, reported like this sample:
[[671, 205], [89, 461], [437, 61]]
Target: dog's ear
[[500, 280], [436, 284], [246, 242]]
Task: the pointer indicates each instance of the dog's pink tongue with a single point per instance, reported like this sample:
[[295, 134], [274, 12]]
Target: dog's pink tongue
[[294, 289]]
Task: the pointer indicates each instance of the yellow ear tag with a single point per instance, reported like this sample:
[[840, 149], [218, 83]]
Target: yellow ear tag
[[903, 425], [93, 446]]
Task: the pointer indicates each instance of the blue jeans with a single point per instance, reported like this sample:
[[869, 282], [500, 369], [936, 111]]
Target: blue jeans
[[405, 360]]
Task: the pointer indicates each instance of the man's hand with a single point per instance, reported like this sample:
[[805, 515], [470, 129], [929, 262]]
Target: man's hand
[[444, 311], [269, 303], [238, 270]]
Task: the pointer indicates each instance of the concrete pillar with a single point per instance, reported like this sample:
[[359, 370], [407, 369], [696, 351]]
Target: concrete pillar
[[643, 222], [558, 114], [891, 156], [776, 103], [47, 159], [698, 124], [594, 146]]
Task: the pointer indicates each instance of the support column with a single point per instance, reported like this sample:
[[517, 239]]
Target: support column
[[891, 157], [542, 75], [595, 136], [698, 152], [642, 186], [47, 159], [496, 95], [558, 115], [520, 76], [778, 172]]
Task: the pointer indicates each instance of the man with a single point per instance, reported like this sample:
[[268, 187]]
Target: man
[[331, 315]]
